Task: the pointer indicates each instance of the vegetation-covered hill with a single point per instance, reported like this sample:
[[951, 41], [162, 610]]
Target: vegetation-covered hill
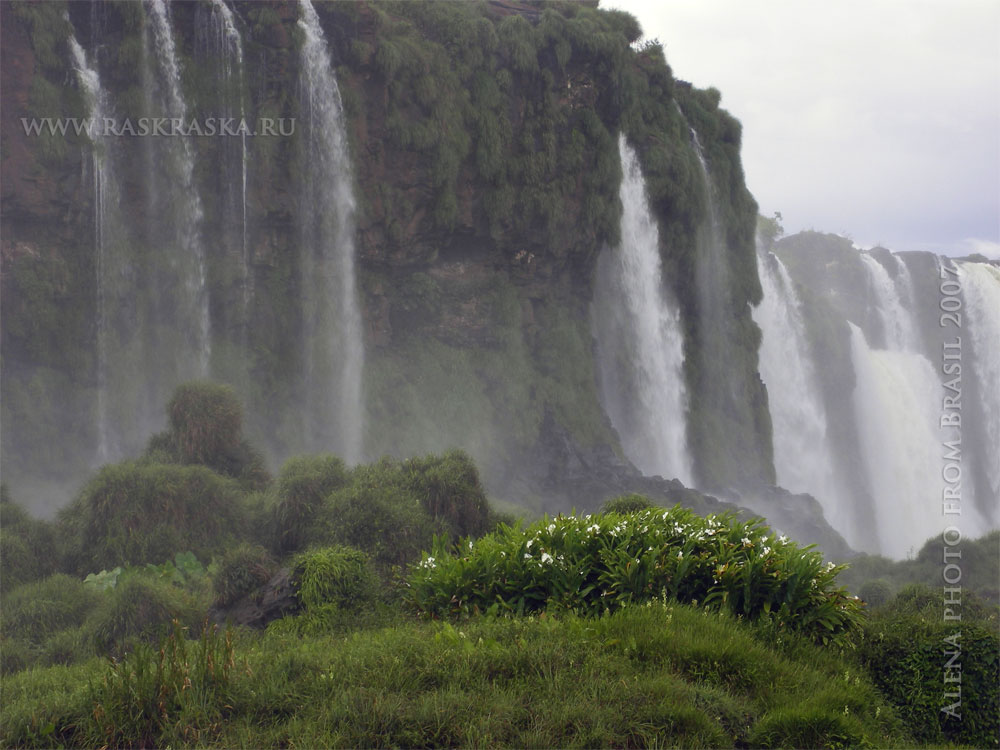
[[390, 605]]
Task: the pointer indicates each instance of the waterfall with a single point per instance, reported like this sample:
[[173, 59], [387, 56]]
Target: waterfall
[[804, 459], [712, 268], [981, 289], [105, 200], [334, 350], [897, 398], [639, 338], [183, 304], [897, 321], [219, 42]]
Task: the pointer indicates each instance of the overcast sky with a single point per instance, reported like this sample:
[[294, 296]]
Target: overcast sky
[[879, 119]]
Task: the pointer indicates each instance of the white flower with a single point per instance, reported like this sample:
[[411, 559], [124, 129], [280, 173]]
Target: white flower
[[527, 556], [592, 528], [546, 557], [766, 550], [747, 542], [680, 555], [782, 538], [528, 545], [551, 527]]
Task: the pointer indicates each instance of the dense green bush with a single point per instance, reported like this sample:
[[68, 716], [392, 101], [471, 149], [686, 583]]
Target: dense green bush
[[906, 646], [142, 609], [206, 427], [303, 485], [206, 421], [980, 567], [383, 521], [136, 512], [40, 623], [596, 563], [27, 545], [35, 611], [339, 576], [450, 490], [242, 569], [627, 504], [876, 592]]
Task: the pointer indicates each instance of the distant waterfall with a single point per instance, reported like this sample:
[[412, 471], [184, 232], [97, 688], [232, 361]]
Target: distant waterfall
[[639, 338], [334, 350], [219, 42], [183, 345], [803, 455], [897, 400], [897, 321], [897, 406], [105, 235], [712, 274], [981, 288]]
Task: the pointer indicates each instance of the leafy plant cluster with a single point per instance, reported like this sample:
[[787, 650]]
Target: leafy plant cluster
[[601, 562], [910, 650], [389, 509], [63, 620]]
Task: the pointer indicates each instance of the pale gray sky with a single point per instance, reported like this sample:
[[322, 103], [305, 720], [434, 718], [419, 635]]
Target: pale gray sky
[[878, 119]]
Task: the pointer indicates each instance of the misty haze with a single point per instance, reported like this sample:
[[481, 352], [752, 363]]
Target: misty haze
[[474, 400]]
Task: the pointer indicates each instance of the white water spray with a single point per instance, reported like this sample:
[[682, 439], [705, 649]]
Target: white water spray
[[105, 188], [896, 407], [639, 339], [223, 46], [981, 289], [897, 321], [803, 455], [192, 312], [334, 350]]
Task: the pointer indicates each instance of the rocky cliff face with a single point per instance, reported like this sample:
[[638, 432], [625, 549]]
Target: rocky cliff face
[[483, 142]]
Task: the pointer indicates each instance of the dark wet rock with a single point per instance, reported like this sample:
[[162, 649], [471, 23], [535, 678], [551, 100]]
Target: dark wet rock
[[274, 599]]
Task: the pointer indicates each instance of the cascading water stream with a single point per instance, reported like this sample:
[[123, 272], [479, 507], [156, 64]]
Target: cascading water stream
[[105, 187], [639, 338], [804, 459], [219, 41], [981, 289], [334, 350], [174, 185], [897, 321], [896, 407]]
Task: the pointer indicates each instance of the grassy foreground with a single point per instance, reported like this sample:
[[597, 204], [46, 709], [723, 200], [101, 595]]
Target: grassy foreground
[[662, 675]]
